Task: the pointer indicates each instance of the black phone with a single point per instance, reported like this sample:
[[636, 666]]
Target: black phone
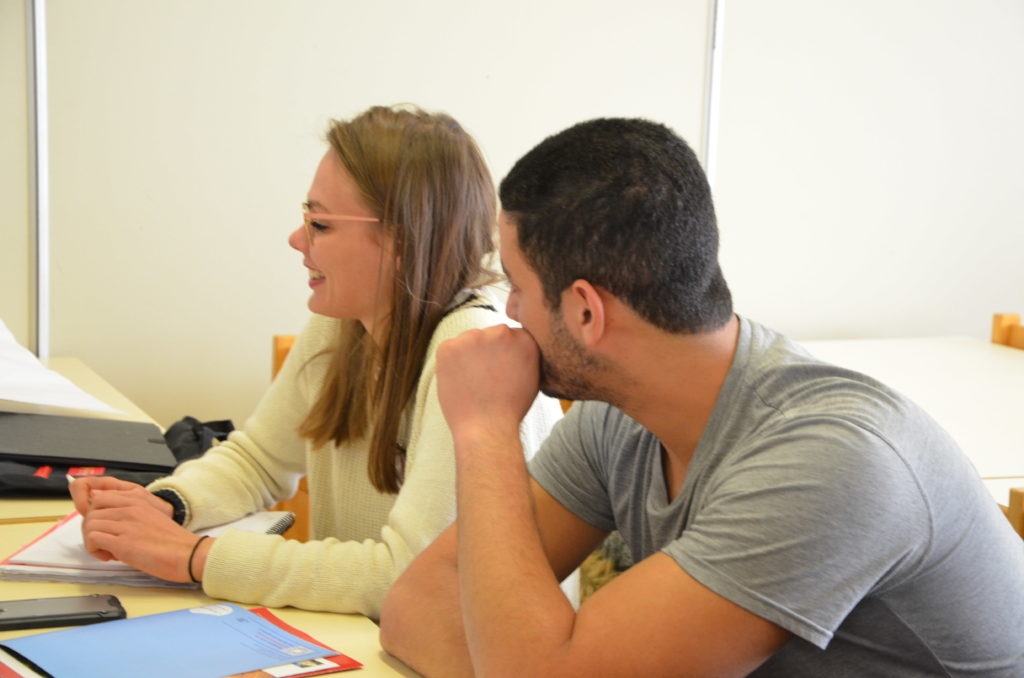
[[38, 613]]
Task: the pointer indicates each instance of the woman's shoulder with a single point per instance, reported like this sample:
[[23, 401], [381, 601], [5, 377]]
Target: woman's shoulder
[[471, 309], [321, 325], [319, 333]]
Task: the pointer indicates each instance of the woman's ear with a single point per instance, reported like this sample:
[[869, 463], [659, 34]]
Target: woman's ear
[[583, 308]]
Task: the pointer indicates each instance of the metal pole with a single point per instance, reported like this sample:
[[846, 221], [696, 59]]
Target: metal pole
[[713, 87], [39, 153]]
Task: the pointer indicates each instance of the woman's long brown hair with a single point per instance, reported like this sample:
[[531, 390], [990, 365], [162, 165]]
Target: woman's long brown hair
[[424, 176]]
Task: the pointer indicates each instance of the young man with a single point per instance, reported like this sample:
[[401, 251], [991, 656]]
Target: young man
[[788, 518]]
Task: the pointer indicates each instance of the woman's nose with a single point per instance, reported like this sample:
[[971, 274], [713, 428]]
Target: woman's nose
[[298, 239]]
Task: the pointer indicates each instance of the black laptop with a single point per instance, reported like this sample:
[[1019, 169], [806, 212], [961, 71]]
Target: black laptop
[[82, 441]]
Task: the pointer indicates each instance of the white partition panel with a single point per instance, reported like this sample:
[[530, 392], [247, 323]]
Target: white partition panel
[[185, 133], [869, 172], [15, 237]]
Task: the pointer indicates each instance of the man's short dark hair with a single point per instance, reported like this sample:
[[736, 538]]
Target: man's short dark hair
[[625, 205]]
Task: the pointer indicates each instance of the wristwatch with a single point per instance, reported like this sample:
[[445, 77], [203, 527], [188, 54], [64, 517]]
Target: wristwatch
[[178, 506]]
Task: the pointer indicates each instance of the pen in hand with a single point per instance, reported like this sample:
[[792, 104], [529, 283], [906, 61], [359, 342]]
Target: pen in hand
[[71, 479]]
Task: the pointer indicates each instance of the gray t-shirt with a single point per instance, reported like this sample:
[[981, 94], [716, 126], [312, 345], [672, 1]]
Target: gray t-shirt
[[823, 501]]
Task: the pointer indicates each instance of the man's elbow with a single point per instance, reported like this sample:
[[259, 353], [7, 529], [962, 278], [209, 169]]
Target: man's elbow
[[392, 623], [407, 637], [420, 620]]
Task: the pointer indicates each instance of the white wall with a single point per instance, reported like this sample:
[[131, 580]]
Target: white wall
[[15, 246], [867, 182], [185, 132], [870, 173]]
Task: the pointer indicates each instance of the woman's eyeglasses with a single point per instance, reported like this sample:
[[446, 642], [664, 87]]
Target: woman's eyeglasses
[[310, 219]]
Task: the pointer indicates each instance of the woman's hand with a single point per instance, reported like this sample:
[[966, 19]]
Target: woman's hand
[[126, 525], [82, 490]]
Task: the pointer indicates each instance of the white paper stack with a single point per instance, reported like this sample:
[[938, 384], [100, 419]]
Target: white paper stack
[[60, 555], [23, 379]]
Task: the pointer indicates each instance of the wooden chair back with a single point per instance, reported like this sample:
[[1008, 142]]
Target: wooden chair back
[[1007, 330], [282, 344], [299, 504], [1014, 511]]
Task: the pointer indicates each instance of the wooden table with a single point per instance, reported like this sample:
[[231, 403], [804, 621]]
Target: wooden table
[[973, 388], [350, 634]]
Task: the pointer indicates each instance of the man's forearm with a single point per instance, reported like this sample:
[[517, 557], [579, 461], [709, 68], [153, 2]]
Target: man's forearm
[[512, 607]]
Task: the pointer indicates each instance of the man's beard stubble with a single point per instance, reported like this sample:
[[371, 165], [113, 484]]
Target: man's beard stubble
[[568, 371]]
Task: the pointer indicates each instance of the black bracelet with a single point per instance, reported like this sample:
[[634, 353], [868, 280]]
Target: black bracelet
[[192, 555]]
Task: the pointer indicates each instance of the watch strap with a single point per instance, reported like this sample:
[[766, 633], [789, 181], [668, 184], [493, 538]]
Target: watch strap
[[177, 504]]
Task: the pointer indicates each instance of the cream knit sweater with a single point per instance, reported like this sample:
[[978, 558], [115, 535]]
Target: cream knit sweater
[[360, 539]]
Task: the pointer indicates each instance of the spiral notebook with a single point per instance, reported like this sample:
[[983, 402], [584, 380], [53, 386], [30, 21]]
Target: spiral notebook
[[60, 555]]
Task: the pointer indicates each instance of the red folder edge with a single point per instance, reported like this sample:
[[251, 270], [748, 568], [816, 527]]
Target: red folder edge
[[7, 560], [344, 662]]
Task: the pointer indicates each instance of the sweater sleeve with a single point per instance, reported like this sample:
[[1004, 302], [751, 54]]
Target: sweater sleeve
[[262, 463], [347, 576]]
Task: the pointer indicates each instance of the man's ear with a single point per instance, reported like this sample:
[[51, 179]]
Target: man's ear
[[583, 308]]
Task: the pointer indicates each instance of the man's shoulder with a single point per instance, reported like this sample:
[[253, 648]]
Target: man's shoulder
[[787, 379]]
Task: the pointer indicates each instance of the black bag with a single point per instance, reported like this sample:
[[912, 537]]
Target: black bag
[[188, 438]]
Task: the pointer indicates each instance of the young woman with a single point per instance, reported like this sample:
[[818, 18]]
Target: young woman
[[396, 226]]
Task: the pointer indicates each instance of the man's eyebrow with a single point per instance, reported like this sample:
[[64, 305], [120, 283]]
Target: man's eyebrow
[[311, 204]]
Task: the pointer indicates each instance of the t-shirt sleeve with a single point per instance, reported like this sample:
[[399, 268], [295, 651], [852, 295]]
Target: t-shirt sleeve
[[806, 524], [570, 467]]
